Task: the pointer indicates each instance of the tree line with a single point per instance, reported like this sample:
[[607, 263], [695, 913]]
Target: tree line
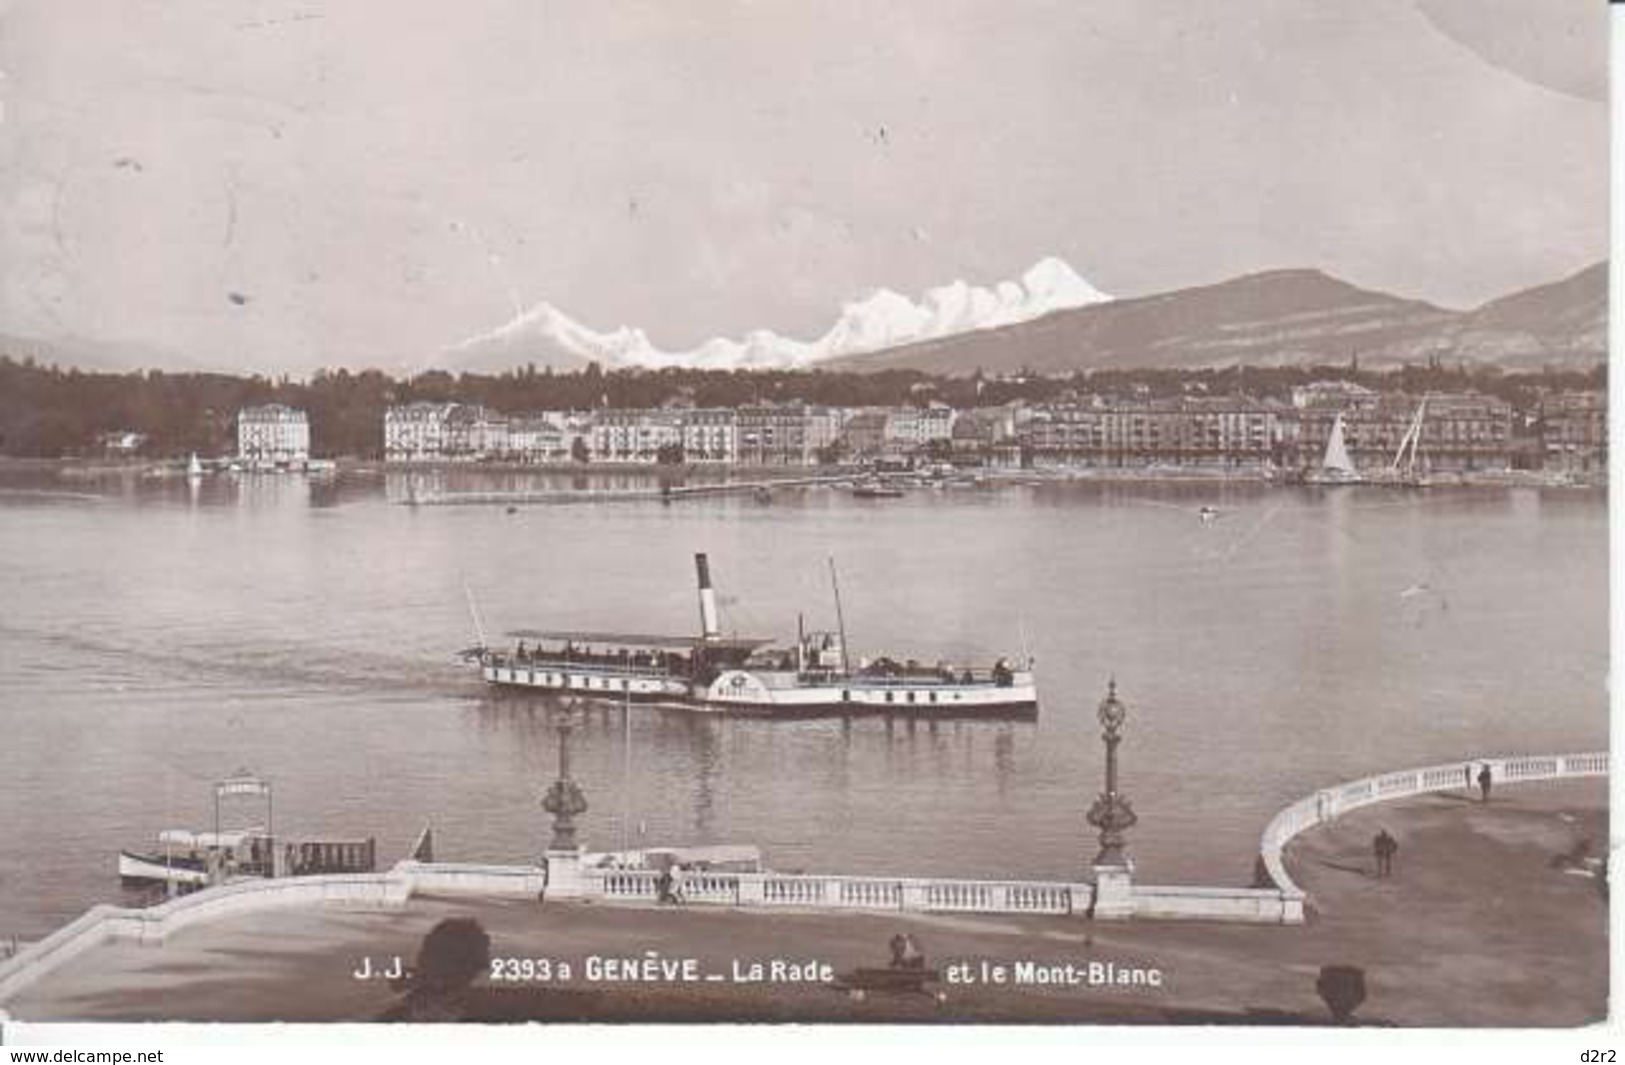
[[48, 411]]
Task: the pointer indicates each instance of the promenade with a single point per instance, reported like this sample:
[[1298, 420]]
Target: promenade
[[1483, 923]]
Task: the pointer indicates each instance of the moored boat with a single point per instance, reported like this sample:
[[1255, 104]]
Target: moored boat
[[187, 861], [875, 488]]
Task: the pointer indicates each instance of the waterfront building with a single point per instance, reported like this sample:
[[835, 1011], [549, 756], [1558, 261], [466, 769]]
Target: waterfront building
[[635, 436], [273, 435], [773, 435], [1186, 431], [912, 429], [864, 433], [823, 430], [417, 432], [1461, 432], [977, 432], [474, 433], [709, 434], [1574, 431], [539, 436]]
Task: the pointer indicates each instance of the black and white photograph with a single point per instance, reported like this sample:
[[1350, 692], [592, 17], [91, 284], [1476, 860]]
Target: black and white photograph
[[1078, 514]]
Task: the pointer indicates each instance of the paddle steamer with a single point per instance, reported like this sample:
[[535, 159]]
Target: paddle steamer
[[712, 672]]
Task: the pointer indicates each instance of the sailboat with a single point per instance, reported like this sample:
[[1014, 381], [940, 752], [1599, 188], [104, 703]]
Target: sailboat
[[194, 468], [1335, 466], [1406, 469]]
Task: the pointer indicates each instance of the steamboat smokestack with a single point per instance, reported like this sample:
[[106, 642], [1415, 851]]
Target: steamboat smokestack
[[710, 629]]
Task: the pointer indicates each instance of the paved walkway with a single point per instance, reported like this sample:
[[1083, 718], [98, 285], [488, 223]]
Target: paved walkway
[[1480, 925]]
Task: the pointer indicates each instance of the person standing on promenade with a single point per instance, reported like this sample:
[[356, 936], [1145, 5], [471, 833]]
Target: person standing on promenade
[[1384, 846], [1484, 779]]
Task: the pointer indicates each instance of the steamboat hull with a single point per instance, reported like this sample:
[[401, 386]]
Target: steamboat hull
[[753, 694], [713, 673]]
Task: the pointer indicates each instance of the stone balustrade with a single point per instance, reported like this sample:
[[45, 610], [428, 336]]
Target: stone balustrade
[[1281, 904], [1328, 804], [928, 895], [152, 925]]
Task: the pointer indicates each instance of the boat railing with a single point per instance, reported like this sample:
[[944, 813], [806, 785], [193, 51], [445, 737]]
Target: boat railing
[[921, 679], [560, 664]]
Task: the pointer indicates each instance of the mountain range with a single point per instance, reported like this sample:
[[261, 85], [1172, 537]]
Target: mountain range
[[1055, 322], [1282, 317], [547, 336], [1050, 321]]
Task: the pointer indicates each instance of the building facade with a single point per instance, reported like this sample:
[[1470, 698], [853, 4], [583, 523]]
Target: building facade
[[1574, 431], [273, 434], [417, 432], [709, 435], [1223, 431], [1461, 432], [773, 436]]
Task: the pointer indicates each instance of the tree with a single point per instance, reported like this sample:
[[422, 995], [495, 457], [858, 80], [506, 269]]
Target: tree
[[670, 454], [579, 451]]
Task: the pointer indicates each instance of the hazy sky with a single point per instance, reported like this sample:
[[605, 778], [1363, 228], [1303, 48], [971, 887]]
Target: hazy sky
[[288, 183]]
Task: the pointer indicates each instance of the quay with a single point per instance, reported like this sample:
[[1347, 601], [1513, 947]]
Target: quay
[[665, 493], [1465, 933]]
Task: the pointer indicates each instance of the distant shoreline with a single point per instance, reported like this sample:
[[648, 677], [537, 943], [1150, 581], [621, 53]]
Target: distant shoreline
[[726, 473]]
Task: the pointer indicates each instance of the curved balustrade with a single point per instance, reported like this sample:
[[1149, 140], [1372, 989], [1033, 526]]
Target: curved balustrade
[[1328, 804]]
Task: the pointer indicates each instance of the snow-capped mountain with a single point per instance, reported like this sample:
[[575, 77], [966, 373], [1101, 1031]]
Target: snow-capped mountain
[[884, 319]]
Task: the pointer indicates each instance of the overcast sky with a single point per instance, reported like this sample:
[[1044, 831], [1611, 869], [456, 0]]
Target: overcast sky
[[283, 184]]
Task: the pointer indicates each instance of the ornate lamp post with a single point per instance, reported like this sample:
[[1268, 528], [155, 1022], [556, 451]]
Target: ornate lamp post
[[564, 799], [1111, 812]]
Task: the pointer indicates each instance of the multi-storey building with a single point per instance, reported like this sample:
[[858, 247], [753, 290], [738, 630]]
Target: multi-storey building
[[416, 432], [635, 435], [1574, 431], [1465, 431], [864, 433], [473, 433], [538, 437], [773, 436], [1225, 431], [914, 428], [709, 434], [823, 429], [273, 435]]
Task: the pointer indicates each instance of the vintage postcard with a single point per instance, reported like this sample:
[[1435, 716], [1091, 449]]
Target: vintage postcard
[[1049, 513]]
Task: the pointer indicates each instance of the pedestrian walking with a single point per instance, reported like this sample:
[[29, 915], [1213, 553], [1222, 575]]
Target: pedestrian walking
[[1484, 779], [678, 883]]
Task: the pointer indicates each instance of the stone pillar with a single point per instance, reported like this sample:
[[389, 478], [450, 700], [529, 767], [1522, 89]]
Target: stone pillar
[[1114, 892], [751, 891], [565, 877]]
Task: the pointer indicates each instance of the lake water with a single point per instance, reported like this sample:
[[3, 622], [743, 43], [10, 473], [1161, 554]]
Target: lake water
[[156, 636]]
